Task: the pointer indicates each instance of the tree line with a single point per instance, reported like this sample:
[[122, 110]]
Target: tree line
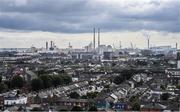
[[46, 81], [43, 81]]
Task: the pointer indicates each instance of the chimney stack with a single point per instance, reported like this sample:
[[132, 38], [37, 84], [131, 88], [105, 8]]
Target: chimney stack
[[94, 40], [51, 44], [46, 45], [120, 46], [98, 37], [148, 44]]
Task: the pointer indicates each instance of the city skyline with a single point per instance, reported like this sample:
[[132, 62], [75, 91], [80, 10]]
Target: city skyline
[[90, 55], [29, 39]]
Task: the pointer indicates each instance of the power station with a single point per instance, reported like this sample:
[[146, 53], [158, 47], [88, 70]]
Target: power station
[[52, 46]]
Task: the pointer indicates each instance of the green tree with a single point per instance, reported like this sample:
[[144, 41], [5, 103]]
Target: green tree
[[76, 108], [136, 106], [178, 86], [118, 79], [128, 73], [163, 87], [0, 78], [17, 82], [139, 83], [92, 95], [74, 95], [62, 110], [93, 108], [106, 86], [66, 79], [125, 75], [57, 80], [134, 99], [8, 83], [36, 109], [3, 87], [47, 81], [165, 96], [84, 97], [135, 103], [141, 63], [36, 84]]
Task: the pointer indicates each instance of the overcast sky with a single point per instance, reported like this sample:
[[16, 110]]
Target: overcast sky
[[24, 23]]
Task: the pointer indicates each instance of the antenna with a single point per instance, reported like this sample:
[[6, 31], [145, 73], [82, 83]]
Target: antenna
[[147, 36]]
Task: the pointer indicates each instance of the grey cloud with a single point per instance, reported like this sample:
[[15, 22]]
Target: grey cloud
[[79, 16]]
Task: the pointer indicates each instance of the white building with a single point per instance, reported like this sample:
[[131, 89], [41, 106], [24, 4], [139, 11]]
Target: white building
[[15, 101], [163, 49]]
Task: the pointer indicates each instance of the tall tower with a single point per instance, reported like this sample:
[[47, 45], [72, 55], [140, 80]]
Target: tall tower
[[46, 45], [176, 46], [148, 43], [99, 37], [94, 40], [120, 46], [51, 44], [147, 35]]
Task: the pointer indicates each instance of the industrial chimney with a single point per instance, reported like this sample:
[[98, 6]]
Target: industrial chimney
[[46, 45], [148, 44], [98, 37], [51, 44], [94, 40]]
